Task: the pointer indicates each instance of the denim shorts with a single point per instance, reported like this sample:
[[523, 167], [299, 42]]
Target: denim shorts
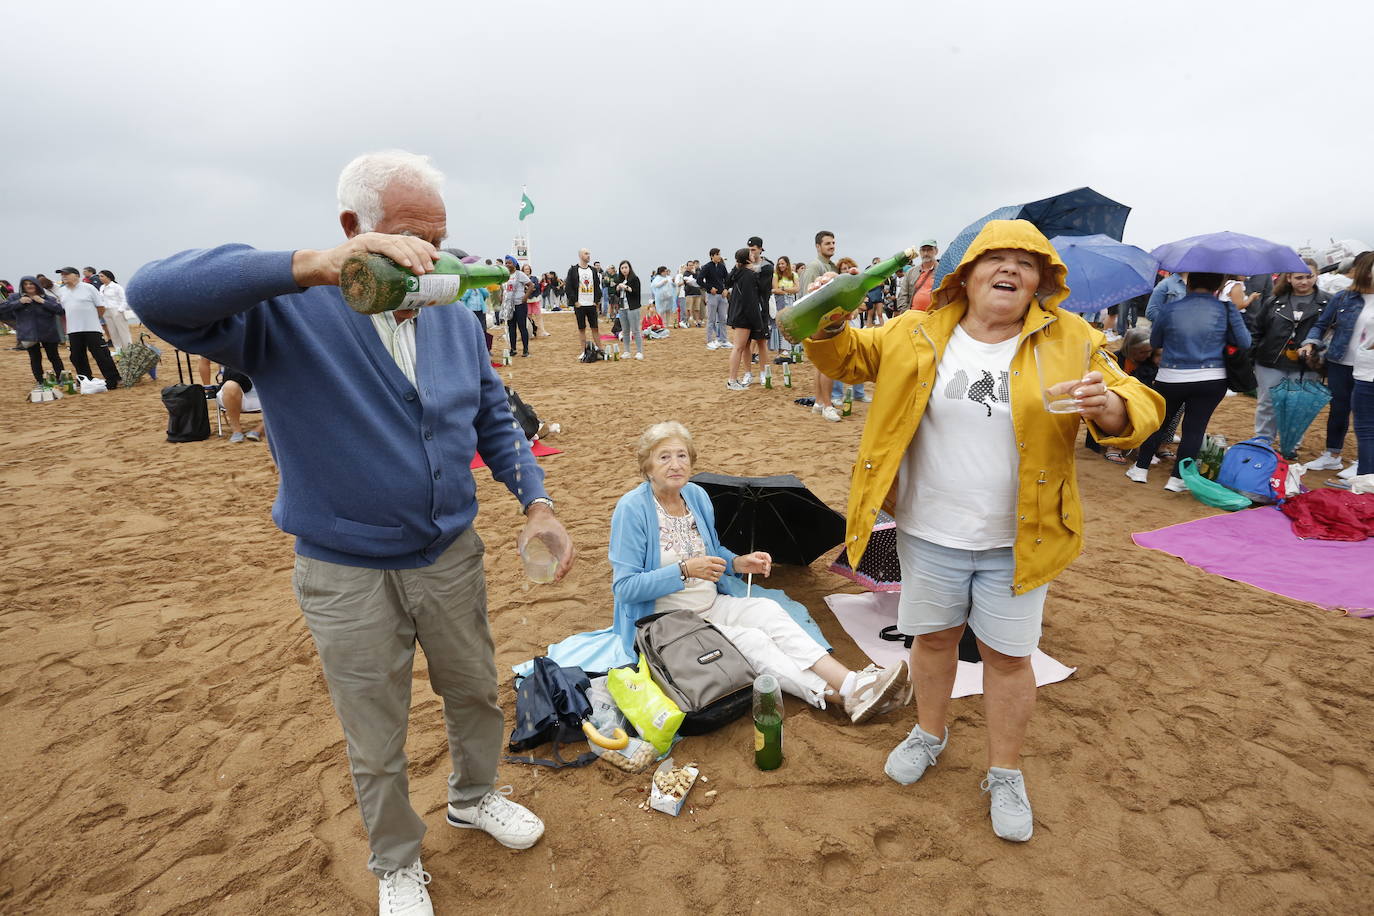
[[944, 587]]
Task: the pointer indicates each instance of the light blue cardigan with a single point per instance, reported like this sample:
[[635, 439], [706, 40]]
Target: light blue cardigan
[[639, 579]]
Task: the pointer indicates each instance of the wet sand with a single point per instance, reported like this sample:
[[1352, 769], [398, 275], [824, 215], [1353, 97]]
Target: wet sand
[[171, 746]]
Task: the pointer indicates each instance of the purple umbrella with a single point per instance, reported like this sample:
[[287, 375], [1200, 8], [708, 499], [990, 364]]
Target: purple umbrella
[[1228, 253]]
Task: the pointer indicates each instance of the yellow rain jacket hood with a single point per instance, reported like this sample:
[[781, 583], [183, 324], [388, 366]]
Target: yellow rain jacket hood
[[902, 356]]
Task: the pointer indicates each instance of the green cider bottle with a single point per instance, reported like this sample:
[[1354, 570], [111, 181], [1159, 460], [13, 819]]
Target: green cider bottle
[[787, 375], [835, 300], [767, 722], [372, 283]]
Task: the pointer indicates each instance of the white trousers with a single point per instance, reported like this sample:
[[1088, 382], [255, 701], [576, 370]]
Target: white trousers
[[772, 642]]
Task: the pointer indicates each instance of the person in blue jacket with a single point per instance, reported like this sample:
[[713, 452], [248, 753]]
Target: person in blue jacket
[[1339, 317], [375, 420], [34, 313]]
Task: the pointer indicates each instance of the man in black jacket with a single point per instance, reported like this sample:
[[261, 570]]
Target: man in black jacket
[[712, 280], [584, 291]]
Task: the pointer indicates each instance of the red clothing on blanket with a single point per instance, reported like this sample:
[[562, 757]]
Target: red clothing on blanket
[[1332, 515]]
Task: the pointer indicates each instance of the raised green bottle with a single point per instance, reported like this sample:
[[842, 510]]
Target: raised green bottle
[[835, 300], [371, 283]]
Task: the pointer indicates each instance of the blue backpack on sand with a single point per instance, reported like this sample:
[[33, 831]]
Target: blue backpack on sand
[[1251, 467]]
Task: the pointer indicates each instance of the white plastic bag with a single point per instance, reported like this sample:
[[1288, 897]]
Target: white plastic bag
[[92, 385]]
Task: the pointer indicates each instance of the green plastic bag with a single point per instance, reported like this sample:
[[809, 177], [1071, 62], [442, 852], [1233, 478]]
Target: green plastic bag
[[1209, 491], [649, 710]]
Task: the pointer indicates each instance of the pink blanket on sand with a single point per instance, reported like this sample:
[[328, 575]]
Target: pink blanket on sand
[[1258, 547]]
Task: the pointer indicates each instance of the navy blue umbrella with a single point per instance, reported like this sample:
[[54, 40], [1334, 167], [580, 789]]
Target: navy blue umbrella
[[1228, 253], [1081, 211], [1102, 271]]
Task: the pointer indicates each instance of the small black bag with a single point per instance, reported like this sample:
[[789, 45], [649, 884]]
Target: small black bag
[[188, 415], [968, 643], [592, 353], [524, 414], [697, 668], [550, 706], [616, 326]]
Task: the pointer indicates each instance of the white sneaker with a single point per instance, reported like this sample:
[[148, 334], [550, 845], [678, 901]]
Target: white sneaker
[[512, 825], [875, 689], [1139, 475], [817, 408], [1349, 473], [639, 356], [726, 345], [1009, 806], [1176, 485], [713, 345], [830, 414], [1154, 460], [734, 385], [747, 380], [1327, 462], [837, 402], [403, 892]]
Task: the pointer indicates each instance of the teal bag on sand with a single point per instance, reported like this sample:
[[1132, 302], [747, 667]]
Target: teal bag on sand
[[1209, 491]]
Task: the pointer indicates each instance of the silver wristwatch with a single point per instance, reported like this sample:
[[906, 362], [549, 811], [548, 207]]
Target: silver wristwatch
[[540, 501]]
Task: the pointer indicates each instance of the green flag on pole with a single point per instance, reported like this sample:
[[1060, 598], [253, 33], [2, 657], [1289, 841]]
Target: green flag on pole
[[526, 206]]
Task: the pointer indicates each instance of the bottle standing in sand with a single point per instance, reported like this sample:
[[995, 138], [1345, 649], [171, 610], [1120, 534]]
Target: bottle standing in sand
[[371, 283], [835, 300], [767, 722]]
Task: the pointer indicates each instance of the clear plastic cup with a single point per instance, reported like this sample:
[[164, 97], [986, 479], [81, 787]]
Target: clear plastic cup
[[541, 565], [1061, 365]]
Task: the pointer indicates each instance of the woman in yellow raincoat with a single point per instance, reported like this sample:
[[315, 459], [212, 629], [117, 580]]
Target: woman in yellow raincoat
[[960, 448]]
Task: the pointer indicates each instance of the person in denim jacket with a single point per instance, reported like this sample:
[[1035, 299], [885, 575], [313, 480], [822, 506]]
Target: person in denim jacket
[[1339, 317], [1194, 332], [1279, 328]]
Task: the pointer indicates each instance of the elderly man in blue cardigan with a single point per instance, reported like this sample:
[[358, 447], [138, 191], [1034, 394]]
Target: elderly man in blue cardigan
[[375, 420]]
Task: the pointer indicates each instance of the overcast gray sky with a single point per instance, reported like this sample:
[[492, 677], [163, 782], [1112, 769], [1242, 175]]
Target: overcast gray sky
[[655, 131]]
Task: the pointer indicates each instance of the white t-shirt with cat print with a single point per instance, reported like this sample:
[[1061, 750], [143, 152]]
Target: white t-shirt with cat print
[[957, 483]]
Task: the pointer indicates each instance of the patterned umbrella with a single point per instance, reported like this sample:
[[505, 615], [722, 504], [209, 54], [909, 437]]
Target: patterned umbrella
[[1081, 211], [879, 570], [1296, 404]]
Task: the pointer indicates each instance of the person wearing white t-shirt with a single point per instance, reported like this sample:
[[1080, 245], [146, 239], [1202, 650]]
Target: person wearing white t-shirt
[[584, 288], [979, 477], [84, 308]]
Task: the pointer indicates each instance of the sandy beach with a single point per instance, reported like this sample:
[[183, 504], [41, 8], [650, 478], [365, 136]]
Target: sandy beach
[[171, 748]]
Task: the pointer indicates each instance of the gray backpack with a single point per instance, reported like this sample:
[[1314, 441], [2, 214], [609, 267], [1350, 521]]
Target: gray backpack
[[697, 667]]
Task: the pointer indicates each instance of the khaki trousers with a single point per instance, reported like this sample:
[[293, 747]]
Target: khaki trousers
[[365, 623]]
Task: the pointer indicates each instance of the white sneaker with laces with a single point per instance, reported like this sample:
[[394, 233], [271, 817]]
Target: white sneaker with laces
[[830, 414], [1008, 804], [713, 345], [1327, 462], [1139, 475], [1176, 485], [726, 345], [875, 689], [816, 408], [747, 380], [837, 402], [403, 893], [734, 385], [510, 824]]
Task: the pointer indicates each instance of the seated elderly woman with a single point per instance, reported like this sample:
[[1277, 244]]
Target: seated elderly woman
[[665, 556]]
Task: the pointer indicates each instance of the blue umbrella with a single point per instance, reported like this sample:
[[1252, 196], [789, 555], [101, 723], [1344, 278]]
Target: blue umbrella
[[1103, 271], [1296, 404], [1228, 253], [1081, 211]]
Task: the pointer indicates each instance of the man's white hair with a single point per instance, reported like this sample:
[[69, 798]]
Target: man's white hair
[[363, 180]]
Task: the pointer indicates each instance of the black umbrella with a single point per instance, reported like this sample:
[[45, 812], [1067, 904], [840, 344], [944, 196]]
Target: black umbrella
[[776, 514]]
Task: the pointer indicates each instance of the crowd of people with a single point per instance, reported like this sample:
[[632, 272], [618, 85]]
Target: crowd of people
[[86, 310], [386, 562]]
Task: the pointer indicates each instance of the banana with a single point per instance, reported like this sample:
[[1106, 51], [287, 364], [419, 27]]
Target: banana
[[616, 742]]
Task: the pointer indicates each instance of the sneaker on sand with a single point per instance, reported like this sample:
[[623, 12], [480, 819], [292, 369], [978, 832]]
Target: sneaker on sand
[[403, 893], [734, 385], [909, 760], [1009, 806], [1139, 475], [510, 824], [237, 437], [713, 345], [830, 414], [1327, 462], [837, 402], [639, 356], [875, 690], [253, 435], [1350, 472], [726, 345], [748, 379], [816, 408], [1176, 485]]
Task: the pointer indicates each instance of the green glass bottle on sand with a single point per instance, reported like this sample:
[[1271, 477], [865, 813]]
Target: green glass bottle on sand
[[835, 300], [371, 283], [767, 722]]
